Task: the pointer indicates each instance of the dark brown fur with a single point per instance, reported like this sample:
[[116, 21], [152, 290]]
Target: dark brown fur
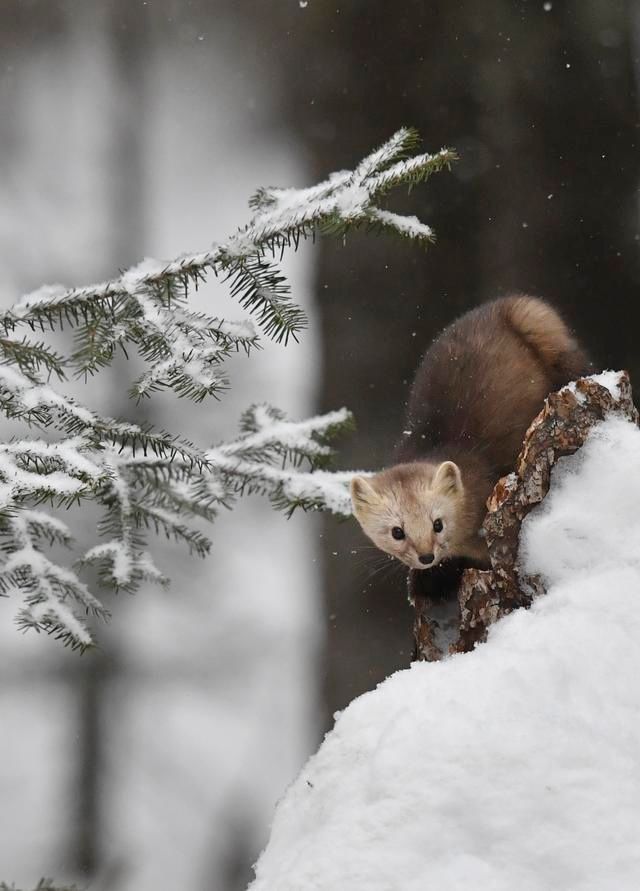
[[481, 383]]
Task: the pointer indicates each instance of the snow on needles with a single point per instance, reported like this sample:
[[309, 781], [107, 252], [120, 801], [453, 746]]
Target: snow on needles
[[517, 765]]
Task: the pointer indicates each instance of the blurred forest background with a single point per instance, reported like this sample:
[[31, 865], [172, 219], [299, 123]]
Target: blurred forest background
[[140, 127]]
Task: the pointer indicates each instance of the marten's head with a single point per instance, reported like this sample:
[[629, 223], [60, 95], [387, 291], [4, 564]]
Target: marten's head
[[415, 512]]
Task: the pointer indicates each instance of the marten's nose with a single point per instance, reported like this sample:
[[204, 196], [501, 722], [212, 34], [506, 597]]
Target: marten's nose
[[426, 558]]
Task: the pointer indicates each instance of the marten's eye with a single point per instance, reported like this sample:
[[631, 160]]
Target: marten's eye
[[398, 533], [438, 525]]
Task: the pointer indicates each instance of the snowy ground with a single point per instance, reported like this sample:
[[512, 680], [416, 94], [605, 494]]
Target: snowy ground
[[517, 765]]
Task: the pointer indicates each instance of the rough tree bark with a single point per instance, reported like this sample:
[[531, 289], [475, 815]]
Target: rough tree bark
[[457, 618]]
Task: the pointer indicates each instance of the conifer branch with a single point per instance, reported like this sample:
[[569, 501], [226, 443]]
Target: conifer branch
[[43, 885], [130, 308], [147, 481], [46, 586], [257, 461]]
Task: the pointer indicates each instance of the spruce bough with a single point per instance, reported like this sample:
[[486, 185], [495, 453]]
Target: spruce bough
[[150, 481]]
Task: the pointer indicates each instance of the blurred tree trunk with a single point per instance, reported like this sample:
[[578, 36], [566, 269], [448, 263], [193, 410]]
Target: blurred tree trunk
[[124, 32], [540, 102], [128, 33]]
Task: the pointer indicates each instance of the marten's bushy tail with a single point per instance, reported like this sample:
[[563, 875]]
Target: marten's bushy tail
[[544, 332]]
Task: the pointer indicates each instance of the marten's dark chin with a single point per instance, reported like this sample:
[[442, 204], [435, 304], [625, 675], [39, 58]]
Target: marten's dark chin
[[455, 562], [437, 583]]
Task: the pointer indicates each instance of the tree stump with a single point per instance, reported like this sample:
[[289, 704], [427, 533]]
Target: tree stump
[[454, 610]]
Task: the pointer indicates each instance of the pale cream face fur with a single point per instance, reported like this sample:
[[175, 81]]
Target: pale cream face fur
[[412, 497]]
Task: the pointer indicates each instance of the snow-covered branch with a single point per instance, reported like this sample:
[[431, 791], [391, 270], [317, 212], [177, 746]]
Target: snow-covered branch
[[147, 305], [162, 487], [255, 461], [145, 480], [48, 587]]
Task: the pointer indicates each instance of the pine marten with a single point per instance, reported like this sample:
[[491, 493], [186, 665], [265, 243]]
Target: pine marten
[[478, 387]]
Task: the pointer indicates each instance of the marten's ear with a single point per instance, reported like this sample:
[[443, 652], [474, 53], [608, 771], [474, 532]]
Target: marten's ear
[[448, 478], [363, 495]]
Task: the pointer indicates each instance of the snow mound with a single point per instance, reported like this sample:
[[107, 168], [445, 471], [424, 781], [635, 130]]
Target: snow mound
[[589, 521], [516, 766]]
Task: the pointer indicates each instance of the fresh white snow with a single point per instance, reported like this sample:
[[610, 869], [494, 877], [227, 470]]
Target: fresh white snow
[[588, 525], [610, 380], [516, 766], [406, 225]]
